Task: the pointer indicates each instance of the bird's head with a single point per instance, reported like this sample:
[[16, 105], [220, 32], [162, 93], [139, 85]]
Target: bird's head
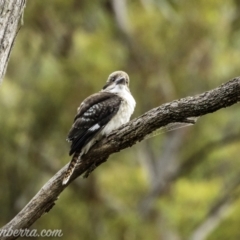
[[117, 81]]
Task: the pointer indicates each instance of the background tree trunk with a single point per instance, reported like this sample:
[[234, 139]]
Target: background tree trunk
[[11, 19]]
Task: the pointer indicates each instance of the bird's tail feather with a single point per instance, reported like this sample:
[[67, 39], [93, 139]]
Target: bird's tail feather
[[71, 167]]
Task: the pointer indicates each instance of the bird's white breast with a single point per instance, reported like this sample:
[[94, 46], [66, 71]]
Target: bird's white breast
[[124, 113]]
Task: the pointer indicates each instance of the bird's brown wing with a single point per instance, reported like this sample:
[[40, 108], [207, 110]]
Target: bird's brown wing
[[93, 115]]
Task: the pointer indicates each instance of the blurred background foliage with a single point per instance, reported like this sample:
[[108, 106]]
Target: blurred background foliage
[[181, 185]]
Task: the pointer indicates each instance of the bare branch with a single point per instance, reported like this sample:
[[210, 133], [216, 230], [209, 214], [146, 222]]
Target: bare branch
[[219, 211], [184, 168], [11, 12], [161, 169], [120, 11], [128, 134]]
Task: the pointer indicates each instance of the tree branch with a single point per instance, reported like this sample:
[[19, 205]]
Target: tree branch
[[219, 211], [11, 11], [185, 167], [128, 134]]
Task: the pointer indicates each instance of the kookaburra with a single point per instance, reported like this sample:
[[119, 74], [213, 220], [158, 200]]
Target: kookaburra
[[98, 115]]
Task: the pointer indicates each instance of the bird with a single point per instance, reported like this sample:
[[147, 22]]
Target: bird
[[98, 115]]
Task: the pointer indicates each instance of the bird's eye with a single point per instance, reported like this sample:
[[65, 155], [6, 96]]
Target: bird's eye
[[112, 79]]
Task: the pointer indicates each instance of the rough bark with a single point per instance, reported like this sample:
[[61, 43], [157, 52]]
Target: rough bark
[[11, 12], [176, 111]]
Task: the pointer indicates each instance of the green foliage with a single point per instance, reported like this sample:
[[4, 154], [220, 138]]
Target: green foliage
[[63, 53]]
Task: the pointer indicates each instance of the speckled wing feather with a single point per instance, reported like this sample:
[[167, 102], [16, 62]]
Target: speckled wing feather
[[93, 114]]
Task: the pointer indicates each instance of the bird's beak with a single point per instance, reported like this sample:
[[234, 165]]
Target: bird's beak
[[121, 80]]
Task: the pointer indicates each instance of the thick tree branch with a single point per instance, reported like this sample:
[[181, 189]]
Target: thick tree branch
[[11, 12], [176, 111]]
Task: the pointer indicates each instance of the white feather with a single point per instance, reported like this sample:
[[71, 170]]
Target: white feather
[[94, 127]]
